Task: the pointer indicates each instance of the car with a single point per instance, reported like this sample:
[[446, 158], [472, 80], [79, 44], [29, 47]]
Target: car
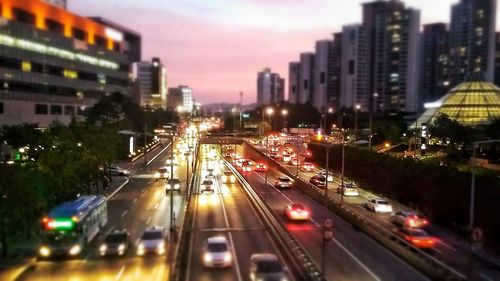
[[266, 267], [162, 173], [217, 252], [274, 155], [283, 182], [286, 158], [417, 237], [153, 240], [117, 171], [207, 185], [228, 177], [379, 205], [307, 167], [348, 189], [296, 211], [409, 219], [318, 180], [260, 167], [246, 166], [330, 175], [115, 243], [171, 161], [173, 185], [239, 162], [295, 161], [306, 153]]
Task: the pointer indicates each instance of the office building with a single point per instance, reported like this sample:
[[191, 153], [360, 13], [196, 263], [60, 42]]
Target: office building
[[497, 58], [336, 72], [132, 41], [355, 68], [472, 40], [152, 85], [270, 87], [434, 63], [293, 82], [393, 42], [54, 63], [323, 71], [306, 78], [181, 99]]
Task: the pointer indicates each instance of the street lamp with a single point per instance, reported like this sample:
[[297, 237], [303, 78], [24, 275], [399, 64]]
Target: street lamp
[[330, 111], [284, 113], [343, 160], [356, 109], [370, 136], [233, 110], [270, 111]]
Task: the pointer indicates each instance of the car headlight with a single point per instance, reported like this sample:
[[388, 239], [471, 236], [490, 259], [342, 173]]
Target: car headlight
[[227, 257], [103, 248], [207, 258], [177, 186], [224, 178], [161, 248], [75, 250], [121, 248], [44, 251], [140, 249], [157, 175]]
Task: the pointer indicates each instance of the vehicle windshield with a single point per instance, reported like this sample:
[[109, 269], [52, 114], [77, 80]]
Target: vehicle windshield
[[217, 247], [284, 179], [152, 235], [382, 202], [207, 182], [162, 170], [297, 207], [115, 238], [60, 237], [227, 173], [417, 233], [269, 267]]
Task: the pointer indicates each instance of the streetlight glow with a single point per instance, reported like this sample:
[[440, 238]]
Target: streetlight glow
[[358, 106], [269, 110], [284, 112]]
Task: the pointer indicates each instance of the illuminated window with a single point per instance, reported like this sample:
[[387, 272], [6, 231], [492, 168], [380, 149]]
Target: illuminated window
[[26, 66], [70, 74]]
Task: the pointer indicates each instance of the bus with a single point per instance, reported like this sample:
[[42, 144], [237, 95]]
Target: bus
[[70, 226]]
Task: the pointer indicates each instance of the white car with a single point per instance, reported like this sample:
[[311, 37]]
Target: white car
[[348, 189], [173, 185], [207, 185], [217, 252], [379, 206], [162, 173], [153, 240], [323, 173], [228, 177], [266, 266], [171, 161]]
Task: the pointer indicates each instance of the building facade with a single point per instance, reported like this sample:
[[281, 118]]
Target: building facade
[[306, 78], [355, 68], [497, 58], [393, 32], [293, 82], [150, 78], [181, 99], [54, 63], [435, 60], [270, 87], [323, 71], [59, 3], [472, 40]]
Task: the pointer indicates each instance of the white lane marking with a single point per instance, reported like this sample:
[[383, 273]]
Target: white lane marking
[[120, 273], [87, 257], [238, 271], [485, 277], [124, 213], [357, 260], [148, 220], [110, 230], [142, 190], [156, 205], [137, 242], [135, 200]]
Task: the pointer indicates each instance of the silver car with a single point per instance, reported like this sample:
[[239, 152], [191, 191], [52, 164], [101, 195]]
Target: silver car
[[266, 267]]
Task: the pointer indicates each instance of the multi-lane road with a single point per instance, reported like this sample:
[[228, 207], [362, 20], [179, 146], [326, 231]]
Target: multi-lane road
[[139, 204]]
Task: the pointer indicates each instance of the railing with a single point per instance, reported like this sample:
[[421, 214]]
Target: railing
[[421, 260], [303, 266]]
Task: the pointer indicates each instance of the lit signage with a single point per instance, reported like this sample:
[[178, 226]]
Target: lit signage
[[113, 34], [60, 224], [246, 115], [432, 105]]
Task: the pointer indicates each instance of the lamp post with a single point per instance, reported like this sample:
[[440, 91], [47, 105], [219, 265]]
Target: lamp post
[[343, 159], [284, 113], [356, 109], [269, 111], [233, 111], [370, 136]]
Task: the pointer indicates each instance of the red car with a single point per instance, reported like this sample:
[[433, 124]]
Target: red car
[[417, 237], [307, 167], [260, 167], [409, 219]]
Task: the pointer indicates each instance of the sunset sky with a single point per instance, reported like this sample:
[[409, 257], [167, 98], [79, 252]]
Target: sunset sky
[[218, 46]]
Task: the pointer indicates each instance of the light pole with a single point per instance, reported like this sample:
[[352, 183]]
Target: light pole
[[370, 136], [356, 109], [269, 111], [343, 160], [330, 111], [233, 111], [284, 113]]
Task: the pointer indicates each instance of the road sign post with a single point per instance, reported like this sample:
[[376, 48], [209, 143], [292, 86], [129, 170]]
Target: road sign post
[[327, 234]]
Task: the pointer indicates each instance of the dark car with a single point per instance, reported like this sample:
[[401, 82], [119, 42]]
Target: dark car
[[115, 243], [318, 180]]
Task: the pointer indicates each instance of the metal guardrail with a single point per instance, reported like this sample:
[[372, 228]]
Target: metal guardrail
[[303, 264], [426, 263], [182, 248]]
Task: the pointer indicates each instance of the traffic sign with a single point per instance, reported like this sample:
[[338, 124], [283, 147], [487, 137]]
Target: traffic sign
[[328, 223], [477, 235]]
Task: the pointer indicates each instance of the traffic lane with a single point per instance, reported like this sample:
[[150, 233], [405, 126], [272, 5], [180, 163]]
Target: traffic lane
[[308, 233], [368, 255]]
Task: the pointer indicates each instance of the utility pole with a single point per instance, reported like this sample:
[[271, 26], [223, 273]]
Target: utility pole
[[145, 143], [326, 180], [172, 226], [241, 113]]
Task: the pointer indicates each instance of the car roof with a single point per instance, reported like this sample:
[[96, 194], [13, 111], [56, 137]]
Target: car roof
[[264, 257], [217, 239], [154, 229]]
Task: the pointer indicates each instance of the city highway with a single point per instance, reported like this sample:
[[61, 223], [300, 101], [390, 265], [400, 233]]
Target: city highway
[[139, 204], [449, 249], [229, 213], [352, 255]]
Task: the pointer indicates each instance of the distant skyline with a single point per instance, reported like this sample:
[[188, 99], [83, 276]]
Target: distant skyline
[[218, 46]]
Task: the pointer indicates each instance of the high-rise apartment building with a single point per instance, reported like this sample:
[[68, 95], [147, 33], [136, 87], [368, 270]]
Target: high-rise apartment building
[[497, 58], [393, 42], [323, 70], [472, 40], [55, 63], [181, 98], [270, 87], [336, 71], [293, 82], [435, 61], [150, 78], [355, 68], [306, 78]]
